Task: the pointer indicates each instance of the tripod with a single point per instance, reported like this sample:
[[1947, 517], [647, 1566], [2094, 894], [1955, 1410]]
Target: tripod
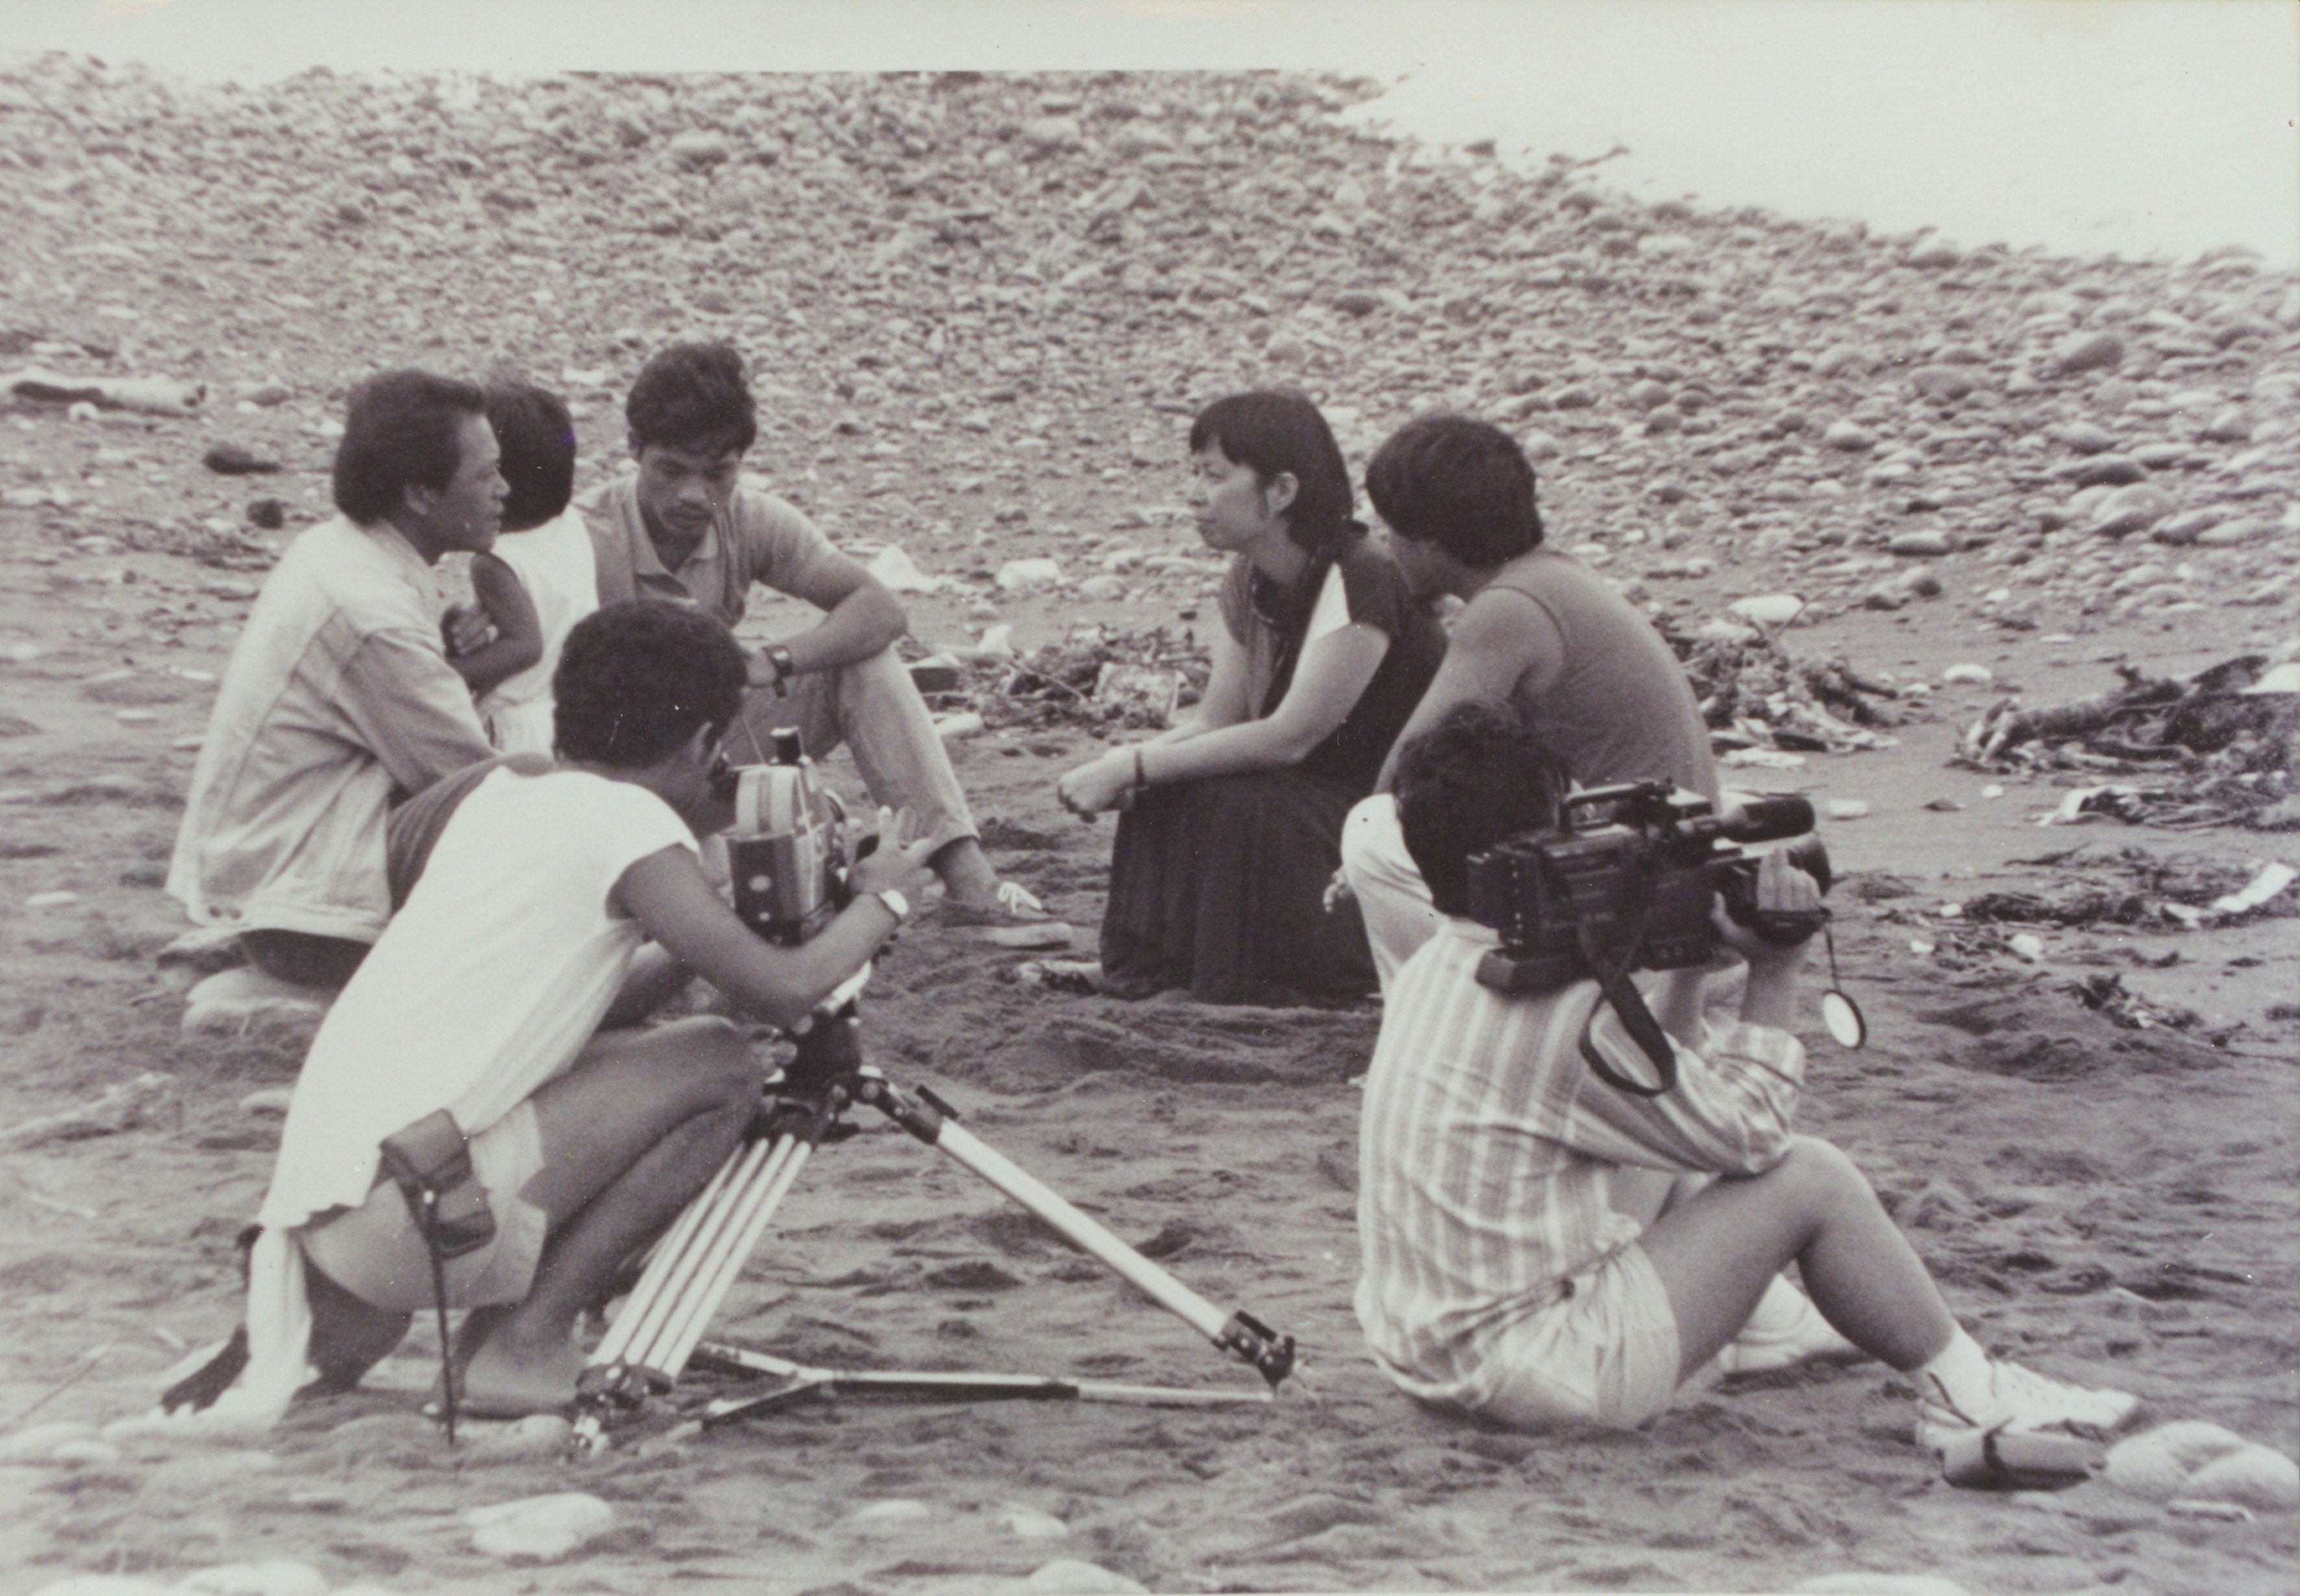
[[661, 1325]]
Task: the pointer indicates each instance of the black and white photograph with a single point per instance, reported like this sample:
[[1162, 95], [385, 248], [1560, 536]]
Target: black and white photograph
[[1438, 796]]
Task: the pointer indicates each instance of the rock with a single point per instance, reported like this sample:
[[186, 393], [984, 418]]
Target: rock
[[233, 1002], [2130, 510], [1029, 1524], [898, 573], [1839, 359], [268, 514], [2085, 438], [538, 1435], [1935, 255], [1847, 809], [1069, 1579], [1847, 435], [2230, 426], [1103, 589], [2115, 470], [103, 1584], [540, 1528], [277, 1578], [2088, 352], [2258, 1477], [892, 1510], [2230, 535], [1029, 576], [1357, 302], [699, 149], [2157, 1463], [1769, 608], [1540, 446], [229, 459], [1880, 1585], [1978, 676], [271, 1099], [1926, 545], [55, 900], [1943, 383]]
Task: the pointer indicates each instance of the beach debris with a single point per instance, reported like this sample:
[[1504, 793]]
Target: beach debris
[[2105, 994], [540, 1528], [55, 900], [1847, 809], [2150, 894], [899, 573], [123, 1107], [150, 396], [2219, 749], [1143, 694], [1030, 576], [1063, 682]]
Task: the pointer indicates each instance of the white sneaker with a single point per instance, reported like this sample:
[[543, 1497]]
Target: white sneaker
[[2021, 1402], [1786, 1330]]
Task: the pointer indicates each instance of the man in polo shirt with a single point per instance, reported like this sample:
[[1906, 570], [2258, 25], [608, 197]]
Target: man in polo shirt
[[684, 528], [339, 699]]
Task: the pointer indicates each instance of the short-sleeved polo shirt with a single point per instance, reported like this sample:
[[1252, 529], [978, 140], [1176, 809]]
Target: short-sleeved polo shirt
[[759, 539]]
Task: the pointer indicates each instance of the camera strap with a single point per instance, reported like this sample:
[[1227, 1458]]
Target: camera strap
[[1611, 970]]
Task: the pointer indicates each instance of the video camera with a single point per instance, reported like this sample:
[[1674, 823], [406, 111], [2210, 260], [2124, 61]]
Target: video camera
[[1627, 881], [787, 850]]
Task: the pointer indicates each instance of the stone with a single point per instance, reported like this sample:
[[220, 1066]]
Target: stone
[[34, 1443], [699, 149], [2258, 1477], [1936, 256], [2157, 1463], [1103, 589], [1925, 544], [1978, 676], [1943, 383], [540, 1528], [2085, 438], [2088, 352], [51, 900], [1864, 1584], [1848, 436], [1357, 302], [890, 1511], [1769, 608], [899, 573], [1029, 1524], [2230, 426], [236, 1000], [103, 1584], [2130, 510], [1847, 809], [229, 459], [1029, 576], [2229, 535], [270, 1099]]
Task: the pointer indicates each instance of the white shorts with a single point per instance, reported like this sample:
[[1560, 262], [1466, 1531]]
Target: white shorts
[[376, 1251], [1605, 1354]]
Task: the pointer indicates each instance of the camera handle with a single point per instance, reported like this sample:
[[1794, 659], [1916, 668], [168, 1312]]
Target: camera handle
[[1611, 970]]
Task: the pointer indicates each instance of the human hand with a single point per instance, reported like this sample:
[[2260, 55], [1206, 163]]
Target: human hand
[[1782, 889], [899, 861], [465, 629], [1338, 891], [1099, 785]]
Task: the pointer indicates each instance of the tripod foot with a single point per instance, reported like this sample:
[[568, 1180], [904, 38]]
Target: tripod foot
[[1271, 1353]]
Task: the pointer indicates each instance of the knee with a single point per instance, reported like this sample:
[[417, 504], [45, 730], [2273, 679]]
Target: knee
[[719, 1061], [1824, 1174]]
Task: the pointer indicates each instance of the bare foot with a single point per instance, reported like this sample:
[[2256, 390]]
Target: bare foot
[[508, 1378]]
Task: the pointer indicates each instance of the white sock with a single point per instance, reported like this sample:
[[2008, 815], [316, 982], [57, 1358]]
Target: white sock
[[1963, 1372]]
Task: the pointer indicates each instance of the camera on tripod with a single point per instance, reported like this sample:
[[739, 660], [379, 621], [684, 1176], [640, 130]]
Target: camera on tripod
[[787, 850], [1627, 881]]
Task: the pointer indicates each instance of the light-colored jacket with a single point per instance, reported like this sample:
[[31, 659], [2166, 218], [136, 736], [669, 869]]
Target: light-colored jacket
[[338, 698]]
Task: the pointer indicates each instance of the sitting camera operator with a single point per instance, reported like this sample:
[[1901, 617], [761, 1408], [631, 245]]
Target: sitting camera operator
[[1499, 1279], [489, 995]]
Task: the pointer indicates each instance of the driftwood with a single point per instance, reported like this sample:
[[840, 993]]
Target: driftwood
[[152, 395]]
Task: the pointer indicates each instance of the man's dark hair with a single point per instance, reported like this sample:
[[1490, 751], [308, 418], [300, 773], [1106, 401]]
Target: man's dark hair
[[636, 679], [693, 395], [1278, 429], [401, 431], [1478, 775], [537, 439], [1463, 483]]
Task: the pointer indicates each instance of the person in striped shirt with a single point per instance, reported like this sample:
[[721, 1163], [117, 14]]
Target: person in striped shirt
[[1499, 1278]]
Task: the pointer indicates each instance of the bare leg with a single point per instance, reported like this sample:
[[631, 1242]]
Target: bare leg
[[1717, 1251], [629, 1136], [966, 872]]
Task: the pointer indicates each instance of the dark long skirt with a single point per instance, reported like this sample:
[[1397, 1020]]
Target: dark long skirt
[[1218, 884]]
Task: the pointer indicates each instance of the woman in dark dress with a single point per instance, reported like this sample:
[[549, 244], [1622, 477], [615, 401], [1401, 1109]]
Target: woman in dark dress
[[1232, 820]]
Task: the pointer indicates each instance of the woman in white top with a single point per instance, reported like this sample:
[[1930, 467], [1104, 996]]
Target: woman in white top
[[540, 580]]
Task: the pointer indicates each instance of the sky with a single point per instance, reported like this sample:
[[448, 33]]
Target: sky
[[2145, 126]]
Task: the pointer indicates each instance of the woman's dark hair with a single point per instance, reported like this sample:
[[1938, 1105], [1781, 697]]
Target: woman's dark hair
[[401, 430], [537, 439], [1478, 775], [692, 395], [1278, 429], [1463, 483], [636, 679]]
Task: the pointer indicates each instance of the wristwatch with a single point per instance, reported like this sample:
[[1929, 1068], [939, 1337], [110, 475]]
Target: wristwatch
[[893, 900], [785, 667]]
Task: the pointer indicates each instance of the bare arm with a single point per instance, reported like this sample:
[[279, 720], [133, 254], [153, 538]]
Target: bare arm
[[1327, 685], [860, 617], [667, 893], [518, 634], [1501, 638]]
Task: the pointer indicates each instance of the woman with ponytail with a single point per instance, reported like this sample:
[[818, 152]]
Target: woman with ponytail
[[1231, 820]]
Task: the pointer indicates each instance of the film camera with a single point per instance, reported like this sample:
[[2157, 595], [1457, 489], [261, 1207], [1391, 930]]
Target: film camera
[[1627, 881], [787, 850]]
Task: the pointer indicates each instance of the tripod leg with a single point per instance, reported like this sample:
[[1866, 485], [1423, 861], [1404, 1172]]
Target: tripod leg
[[668, 1274], [686, 1328]]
